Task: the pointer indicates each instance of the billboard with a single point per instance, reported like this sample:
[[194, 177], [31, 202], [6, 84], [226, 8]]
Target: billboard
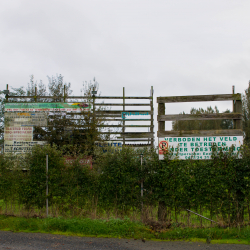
[[198, 148], [46, 106], [26, 119], [20, 147]]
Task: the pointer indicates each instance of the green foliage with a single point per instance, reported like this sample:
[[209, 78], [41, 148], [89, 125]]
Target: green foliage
[[113, 186], [246, 115]]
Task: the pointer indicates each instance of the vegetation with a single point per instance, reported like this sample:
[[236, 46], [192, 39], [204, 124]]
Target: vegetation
[[217, 188]]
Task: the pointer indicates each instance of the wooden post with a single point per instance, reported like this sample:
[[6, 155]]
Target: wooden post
[[35, 97], [161, 111], [141, 189], [64, 93], [47, 187], [7, 88], [123, 120], [152, 115]]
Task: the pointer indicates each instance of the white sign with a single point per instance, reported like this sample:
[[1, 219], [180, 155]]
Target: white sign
[[199, 148], [20, 147], [18, 133], [25, 119]]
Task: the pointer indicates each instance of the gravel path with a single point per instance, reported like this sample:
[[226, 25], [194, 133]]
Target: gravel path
[[38, 241]]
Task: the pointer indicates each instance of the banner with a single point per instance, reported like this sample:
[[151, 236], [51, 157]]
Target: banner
[[46, 106], [199, 148]]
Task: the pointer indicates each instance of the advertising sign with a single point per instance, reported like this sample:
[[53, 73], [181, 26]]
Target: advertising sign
[[134, 115], [199, 148], [20, 147], [87, 160], [18, 133], [46, 106], [109, 146], [17, 119]]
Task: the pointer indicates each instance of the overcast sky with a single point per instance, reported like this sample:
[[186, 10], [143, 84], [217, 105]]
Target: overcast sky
[[180, 47]]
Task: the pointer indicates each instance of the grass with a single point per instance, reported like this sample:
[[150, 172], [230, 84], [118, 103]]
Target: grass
[[118, 228]]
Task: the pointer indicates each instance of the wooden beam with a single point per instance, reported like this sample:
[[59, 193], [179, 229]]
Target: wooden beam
[[186, 117], [138, 135], [82, 97], [199, 98], [121, 104], [198, 133]]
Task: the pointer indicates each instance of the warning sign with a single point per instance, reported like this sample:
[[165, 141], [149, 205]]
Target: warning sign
[[163, 146]]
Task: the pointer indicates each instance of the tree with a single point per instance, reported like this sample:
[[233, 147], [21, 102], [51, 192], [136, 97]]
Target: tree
[[203, 124], [246, 115]]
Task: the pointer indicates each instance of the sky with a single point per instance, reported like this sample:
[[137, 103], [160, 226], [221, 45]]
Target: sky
[[180, 47]]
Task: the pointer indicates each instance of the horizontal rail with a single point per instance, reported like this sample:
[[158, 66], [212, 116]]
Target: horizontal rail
[[78, 97], [186, 117], [199, 98], [182, 133], [121, 104], [137, 135]]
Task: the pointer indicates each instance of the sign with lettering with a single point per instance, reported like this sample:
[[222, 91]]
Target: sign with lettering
[[199, 148], [109, 146], [46, 106], [20, 147], [87, 160], [133, 114], [18, 119], [18, 133]]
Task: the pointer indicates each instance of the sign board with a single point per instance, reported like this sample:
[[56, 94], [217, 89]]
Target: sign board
[[20, 147], [18, 119], [133, 115], [46, 106], [87, 160], [199, 148], [18, 133], [109, 146]]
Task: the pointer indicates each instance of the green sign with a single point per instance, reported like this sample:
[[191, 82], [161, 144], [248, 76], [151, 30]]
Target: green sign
[[50, 106]]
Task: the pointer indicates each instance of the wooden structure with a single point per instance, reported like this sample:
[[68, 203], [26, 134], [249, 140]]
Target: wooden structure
[[236, 116], [143, 138]]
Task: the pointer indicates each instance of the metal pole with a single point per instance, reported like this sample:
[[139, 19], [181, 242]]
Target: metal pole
[[141, 189], [47, 187]]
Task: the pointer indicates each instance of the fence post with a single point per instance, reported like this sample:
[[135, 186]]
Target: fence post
[[47, 187]]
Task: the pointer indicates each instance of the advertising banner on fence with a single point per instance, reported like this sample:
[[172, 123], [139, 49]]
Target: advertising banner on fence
[[17, 119], [20, 147], [18, 133], [199, 148], [46, 106], [109, 146]]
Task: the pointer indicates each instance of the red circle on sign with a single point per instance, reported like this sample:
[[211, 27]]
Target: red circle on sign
[[163, 147]]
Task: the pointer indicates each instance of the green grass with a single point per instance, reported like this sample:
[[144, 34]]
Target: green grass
[[122, 229]]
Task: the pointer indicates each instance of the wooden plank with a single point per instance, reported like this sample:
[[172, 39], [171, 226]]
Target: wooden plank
[[238, 108], [120, 111], [199, 98], [79, 97], [137, 134], [186, 117], [161, 112], [197, 133], [121, 104], [120, 126]]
